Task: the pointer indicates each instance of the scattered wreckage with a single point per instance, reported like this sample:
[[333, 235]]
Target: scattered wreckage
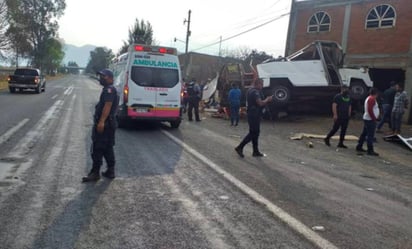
[[314, 73]]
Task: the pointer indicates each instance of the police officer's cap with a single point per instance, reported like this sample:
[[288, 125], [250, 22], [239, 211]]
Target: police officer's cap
[[106, 72]]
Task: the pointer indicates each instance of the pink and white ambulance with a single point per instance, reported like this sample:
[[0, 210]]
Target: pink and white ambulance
[[148, 80]]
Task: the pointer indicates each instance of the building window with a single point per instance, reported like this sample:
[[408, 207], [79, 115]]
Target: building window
[[382, 16], [319, 22]]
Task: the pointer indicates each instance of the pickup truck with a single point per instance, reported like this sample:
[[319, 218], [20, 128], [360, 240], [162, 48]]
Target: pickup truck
[[27, 78]]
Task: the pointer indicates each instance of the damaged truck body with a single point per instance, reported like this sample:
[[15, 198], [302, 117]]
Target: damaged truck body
[[313, 73]]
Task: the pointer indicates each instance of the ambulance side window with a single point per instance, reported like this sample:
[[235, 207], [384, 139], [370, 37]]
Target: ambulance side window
[[168, 78], [142, 76]]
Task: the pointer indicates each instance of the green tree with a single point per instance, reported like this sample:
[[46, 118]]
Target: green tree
[[247, 55], [257, 57], [34, 23], [141, 33], [4, 24], [54, 55], [100, 58]]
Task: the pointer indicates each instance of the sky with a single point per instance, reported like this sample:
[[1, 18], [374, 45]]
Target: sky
[[106, 23]]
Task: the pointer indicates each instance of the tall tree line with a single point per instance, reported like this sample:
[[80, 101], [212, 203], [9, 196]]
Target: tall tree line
[[28, 29], [141, 32]]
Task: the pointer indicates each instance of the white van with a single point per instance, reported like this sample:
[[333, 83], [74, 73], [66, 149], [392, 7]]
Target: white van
[[148, 80]]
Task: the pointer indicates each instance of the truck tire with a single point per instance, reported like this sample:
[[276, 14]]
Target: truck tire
[[281, 94], [12, 89], [38, 89], [358, 90]]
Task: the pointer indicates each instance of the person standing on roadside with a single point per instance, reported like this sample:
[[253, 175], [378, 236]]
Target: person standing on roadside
[[341, 109], [194, 96], [369, 123], [255, 102], [400, 103], [103, 133], [234, 102], [387, 105]]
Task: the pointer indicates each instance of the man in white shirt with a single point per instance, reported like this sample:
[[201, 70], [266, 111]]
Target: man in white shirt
[[369, 120]]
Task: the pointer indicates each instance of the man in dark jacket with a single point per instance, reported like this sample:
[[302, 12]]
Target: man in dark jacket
[[341, 109], [255, 102], [194, 96], [387, 104], [103, 133]]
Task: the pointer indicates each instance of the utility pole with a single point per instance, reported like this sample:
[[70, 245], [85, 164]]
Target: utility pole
[[186, 66], [220, 46], [188, 31]]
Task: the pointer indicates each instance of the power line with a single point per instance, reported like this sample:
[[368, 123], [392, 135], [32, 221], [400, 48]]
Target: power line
[[244, 32], [267, 11]]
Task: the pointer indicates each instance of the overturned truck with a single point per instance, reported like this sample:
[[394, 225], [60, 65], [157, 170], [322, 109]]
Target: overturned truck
[[314, 73]]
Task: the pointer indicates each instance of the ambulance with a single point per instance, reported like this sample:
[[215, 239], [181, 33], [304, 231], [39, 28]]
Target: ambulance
[[148, 80]]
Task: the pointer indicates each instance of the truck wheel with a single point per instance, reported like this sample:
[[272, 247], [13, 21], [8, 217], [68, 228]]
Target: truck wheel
[[281, 94], [175, 124], [358, 90], [38, 89], [12, 89]]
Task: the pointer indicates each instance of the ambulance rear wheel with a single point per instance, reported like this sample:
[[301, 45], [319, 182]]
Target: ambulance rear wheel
[[175, 124], [121, 122]]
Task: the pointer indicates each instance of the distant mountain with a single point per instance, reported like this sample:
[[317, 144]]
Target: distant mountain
[[80, 55]]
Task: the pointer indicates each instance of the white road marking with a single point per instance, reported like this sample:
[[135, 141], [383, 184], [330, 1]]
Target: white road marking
[[292, 222], [69, 90], [11, 131], [55, 96], [26, 143]]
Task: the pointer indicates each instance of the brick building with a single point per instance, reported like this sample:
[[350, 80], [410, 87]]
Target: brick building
[[373, 33]]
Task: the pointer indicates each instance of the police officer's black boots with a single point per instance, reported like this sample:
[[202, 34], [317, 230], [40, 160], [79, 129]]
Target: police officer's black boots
[[93, 176], [109, 173], [258, 154], [341, 145], [239, 151]]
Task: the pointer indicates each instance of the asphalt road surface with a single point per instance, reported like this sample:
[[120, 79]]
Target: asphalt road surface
[[186, 187]]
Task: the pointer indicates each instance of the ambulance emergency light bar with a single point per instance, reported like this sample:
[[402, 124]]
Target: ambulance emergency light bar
[[154, 49]]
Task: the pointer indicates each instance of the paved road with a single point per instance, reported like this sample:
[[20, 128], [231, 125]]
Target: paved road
[[186, 188]]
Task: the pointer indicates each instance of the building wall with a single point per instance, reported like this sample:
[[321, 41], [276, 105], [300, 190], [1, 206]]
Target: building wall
[[381, 41], [303, 38], [382, 48], [360, 39]]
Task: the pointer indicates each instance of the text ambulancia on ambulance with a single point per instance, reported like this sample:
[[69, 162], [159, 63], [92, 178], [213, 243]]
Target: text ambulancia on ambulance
[[148, 81]]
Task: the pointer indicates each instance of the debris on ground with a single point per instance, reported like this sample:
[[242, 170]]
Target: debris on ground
[[300, 136], [318, 228]]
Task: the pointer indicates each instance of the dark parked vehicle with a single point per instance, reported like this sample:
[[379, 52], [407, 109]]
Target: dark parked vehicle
[[27, 78]]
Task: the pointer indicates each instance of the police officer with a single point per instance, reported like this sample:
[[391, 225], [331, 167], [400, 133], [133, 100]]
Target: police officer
[[194, 93], [103, 133], [255, 102]]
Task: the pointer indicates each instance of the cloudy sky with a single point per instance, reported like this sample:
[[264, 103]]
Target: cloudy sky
[[106, 23]]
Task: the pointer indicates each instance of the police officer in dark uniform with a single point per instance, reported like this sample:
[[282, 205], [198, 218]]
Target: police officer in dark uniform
[[255, 102], [194, 93], [103, 134]]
